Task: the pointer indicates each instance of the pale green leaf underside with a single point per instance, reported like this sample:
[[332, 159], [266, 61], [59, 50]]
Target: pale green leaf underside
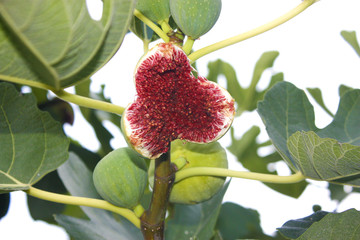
[[56, 43], [32, 143], [325, 158]]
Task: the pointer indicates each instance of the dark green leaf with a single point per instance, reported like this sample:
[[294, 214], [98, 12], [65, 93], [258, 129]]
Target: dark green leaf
[[343, 89], [337, 192], [246, 151], [78, 180], [324, 226], [4, 204], [285, 110], [236, 222], [317, 95], [325, 158], [294, 228], [350, 37], [45, 210], [195, 221], [32, 143], [89, 158], [60, 45]]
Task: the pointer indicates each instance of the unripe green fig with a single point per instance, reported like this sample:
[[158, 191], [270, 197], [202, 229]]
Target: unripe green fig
[[121, 177], [196, 189], [155, 10], [195, 17]]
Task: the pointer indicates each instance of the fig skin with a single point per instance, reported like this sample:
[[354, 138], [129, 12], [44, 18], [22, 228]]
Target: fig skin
[[155, 10], [195, 17], [196, 189], [121, 178]]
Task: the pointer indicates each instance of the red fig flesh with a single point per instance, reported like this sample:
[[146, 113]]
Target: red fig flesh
[[173, 104]]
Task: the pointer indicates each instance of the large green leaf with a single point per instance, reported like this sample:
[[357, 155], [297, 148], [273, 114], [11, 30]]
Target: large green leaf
[[246, 151], [326, 154], [55, 43], [324, 226], [32, 143], [325, 158], [78, 180], [350, 37], [195, 221], [285, 110]]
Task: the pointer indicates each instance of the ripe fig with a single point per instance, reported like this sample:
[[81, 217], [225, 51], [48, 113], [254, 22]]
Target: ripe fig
[[121, 177], [155, 10], [199, 188], [173, 104], [195, 17]]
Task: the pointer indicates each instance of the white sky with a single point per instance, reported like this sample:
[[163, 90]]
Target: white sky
[[312, 54]]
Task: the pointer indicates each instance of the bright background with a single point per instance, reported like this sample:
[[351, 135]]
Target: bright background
[[312, 54]]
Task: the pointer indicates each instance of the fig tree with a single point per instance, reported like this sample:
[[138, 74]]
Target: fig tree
[[121, 177], [195, 17], [173, 104]]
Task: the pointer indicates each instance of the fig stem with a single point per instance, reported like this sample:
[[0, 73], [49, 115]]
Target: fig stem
[[151, 25], [89, 102], [188, 45], [222, 172], [254, 32], [83, 201], [152, 221]]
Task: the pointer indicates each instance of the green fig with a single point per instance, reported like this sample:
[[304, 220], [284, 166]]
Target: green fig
[[195, 17], [155, 10], [121, 178], [196, 189]]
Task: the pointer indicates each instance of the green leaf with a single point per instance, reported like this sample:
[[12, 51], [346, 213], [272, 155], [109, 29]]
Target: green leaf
[[195, 221], [350, 37], [44, 210], [325, 158], [4, 204], [343, 89], [32, 143], [55, 44], [246, 151], [285, 110], [345, 126], [294, 228], [78, 180], [232, 216], [317, 95], [246, 99], [324, 226]]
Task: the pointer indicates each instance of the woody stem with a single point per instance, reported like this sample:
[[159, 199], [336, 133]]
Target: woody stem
[[152, 221]]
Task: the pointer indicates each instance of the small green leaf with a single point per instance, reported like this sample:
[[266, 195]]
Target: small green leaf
[[195, 221], [232, 216], [294, 228], [325, 158], [32, 143], [78, 180], [285, 110], [55, 44], [4, 204], [324, 226], [317, 95], [350, 37]]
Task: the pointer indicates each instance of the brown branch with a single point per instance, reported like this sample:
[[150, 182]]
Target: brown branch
[[152, 221]]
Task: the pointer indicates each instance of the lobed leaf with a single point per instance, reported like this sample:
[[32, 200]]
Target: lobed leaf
[[317, 95], [32, 143], [55, 44]]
